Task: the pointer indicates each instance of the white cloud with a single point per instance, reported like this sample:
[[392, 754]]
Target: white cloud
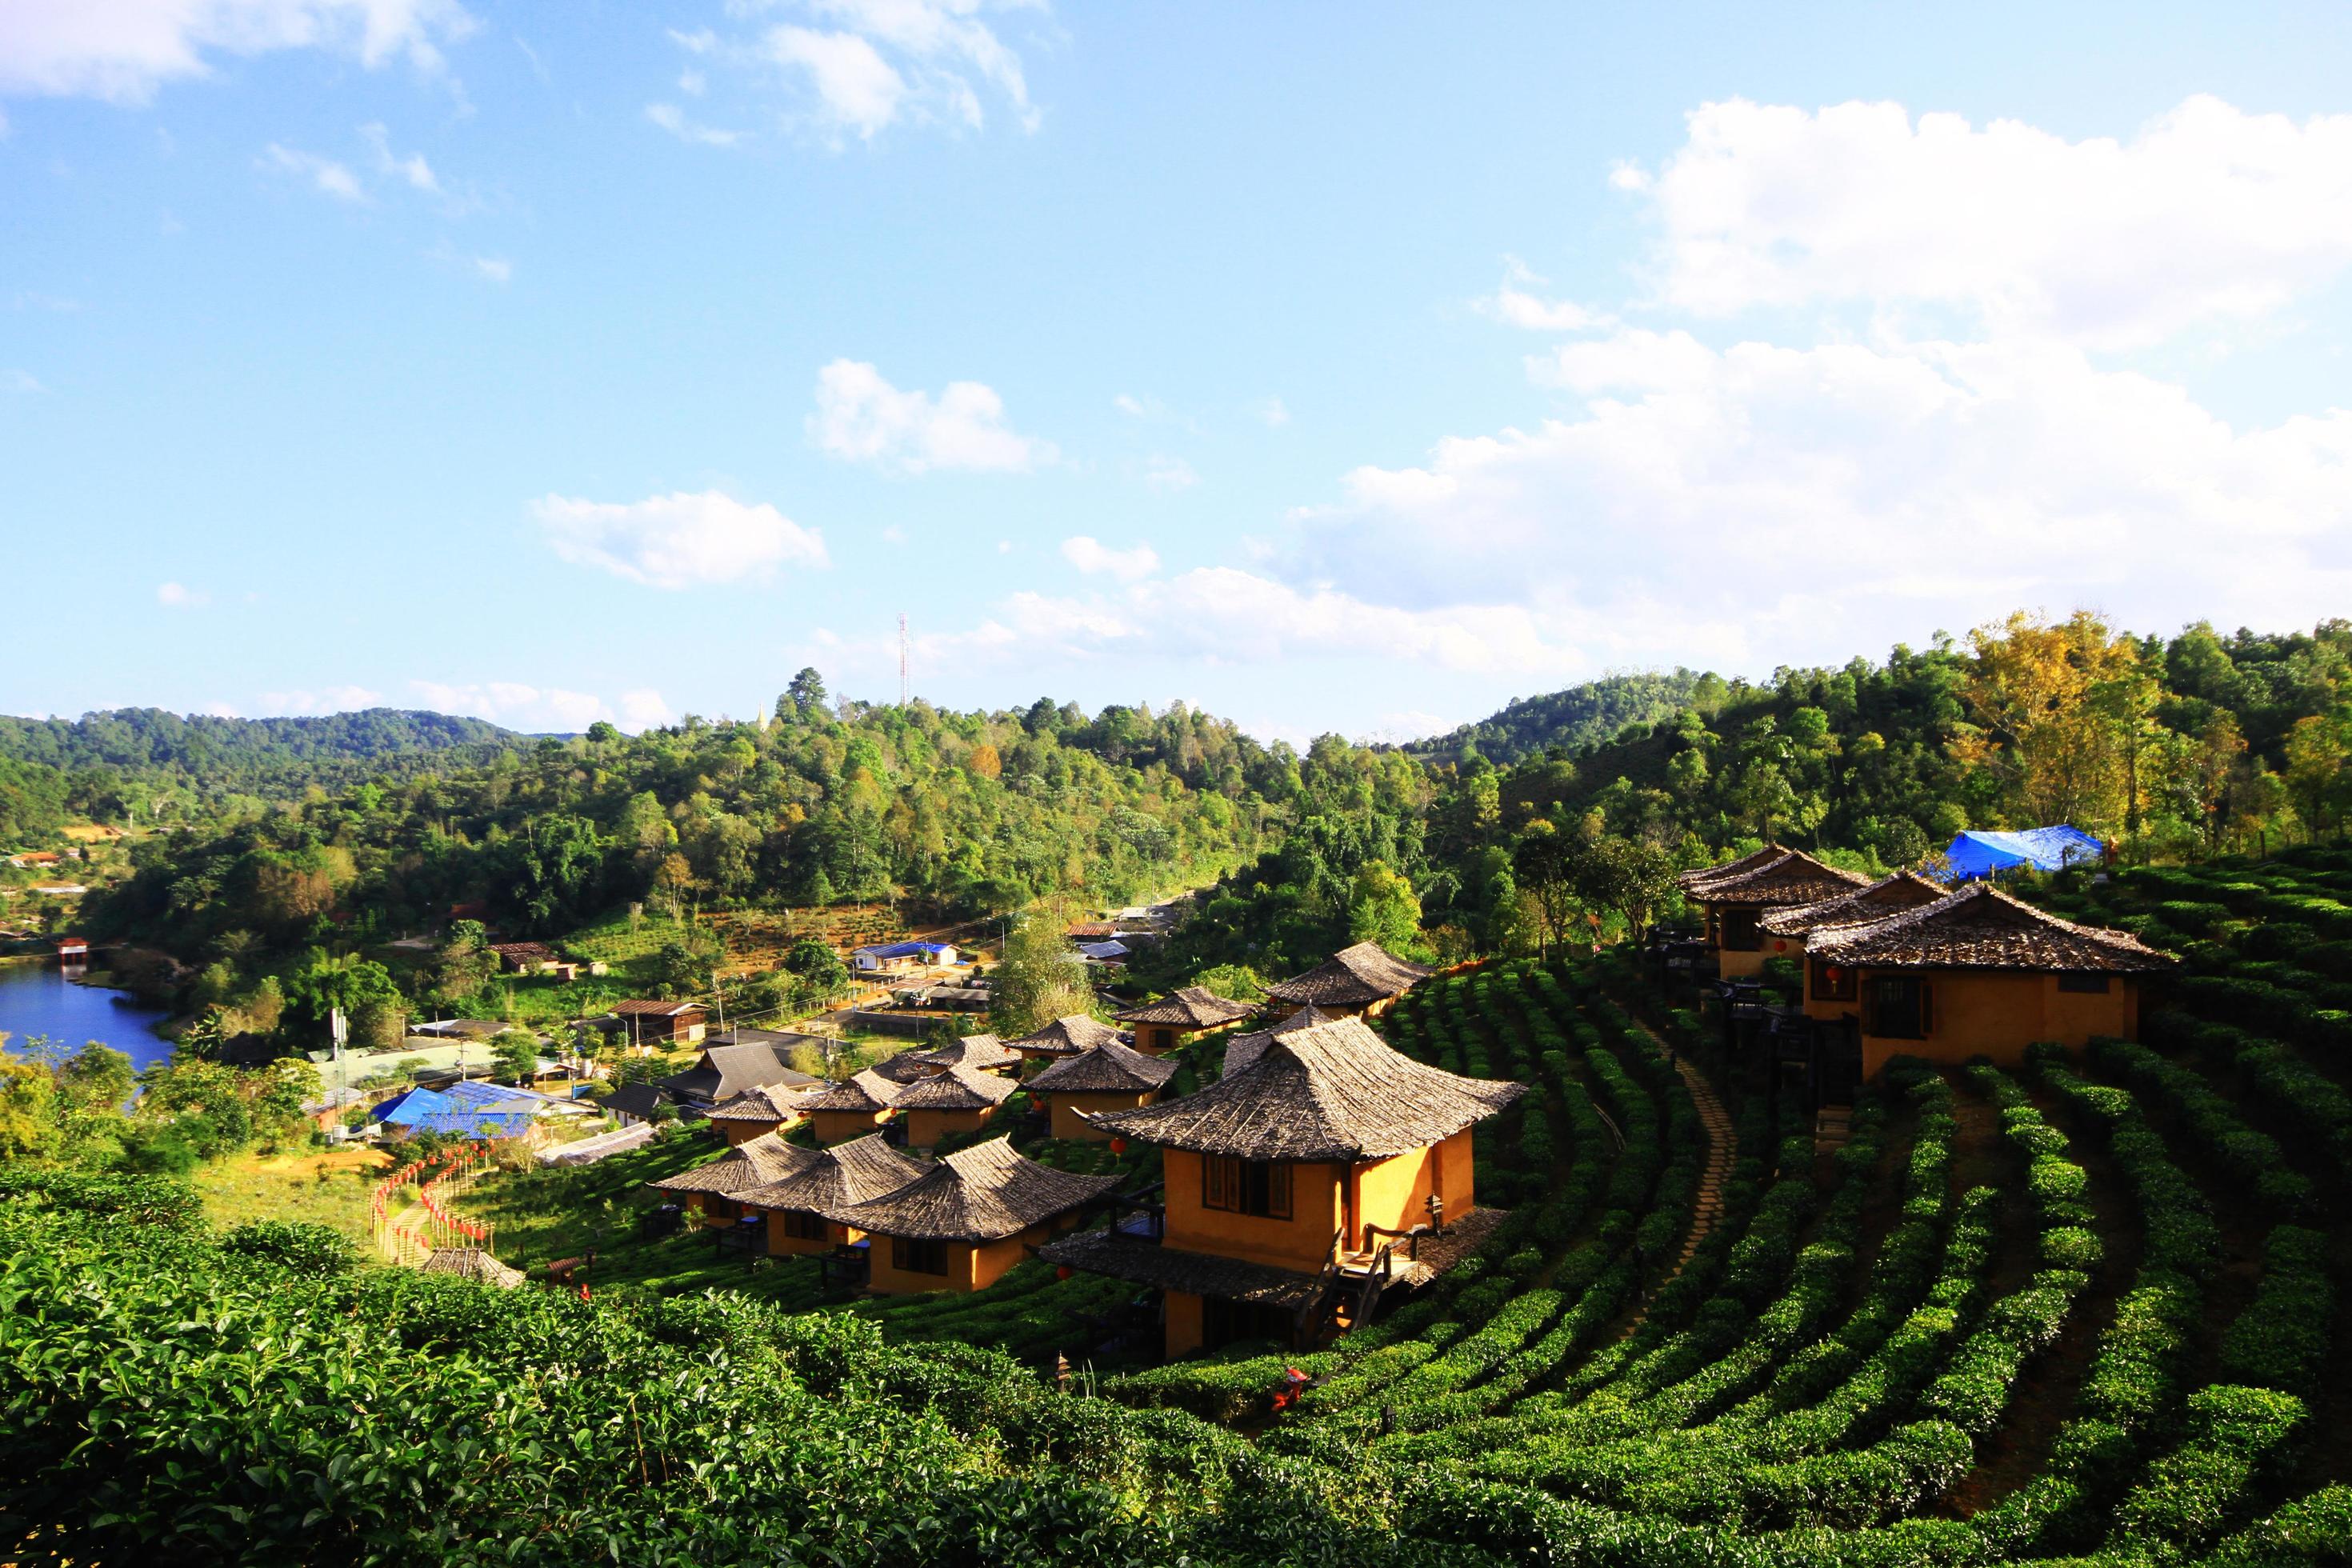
[[856, 88], [862, 419], [1514, 305], [677, 540], [672, 118], [2208, 215], [518, 705], [860, 67], [693, 83], [497, 269], [179, 596], [413, 169], [324, 174], [1134, 407], [21, 382], [1168, 475], [122, 49], [1273, 413], [330, 699], [1128, 565], [644, 710]]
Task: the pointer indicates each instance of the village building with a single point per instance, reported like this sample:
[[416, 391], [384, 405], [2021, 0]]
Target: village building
[[713, 1192], [959, 1100], [796, 1204], [1300, 1188], [1735, 902], [725, 1070], [981, 1053], [525, 957], [850, 1109], [1755, 859], [73, 949], [632, 1103], [769, 1108], [1786, 930], [1109, 1076], [659, 1022], [973, 1216], [906, 1067], [899, 957], [1363, 981], [1243, 1049], [1164, 1025], [1976, 973], [1065, 1037]]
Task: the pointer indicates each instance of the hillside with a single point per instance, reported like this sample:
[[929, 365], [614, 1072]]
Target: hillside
[[1581, 716]]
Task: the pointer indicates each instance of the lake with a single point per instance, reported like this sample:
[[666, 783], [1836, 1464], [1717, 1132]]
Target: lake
[[37, 999]]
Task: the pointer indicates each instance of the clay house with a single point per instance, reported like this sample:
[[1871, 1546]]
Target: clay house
[[1162, 1026], [1065, 1037], [1363, 981], [1976, 973], [1734, 903], [524, 957], [1301, 1188], [1109, 1076], [828, 1179], [959, 1100], [659, 1022], [713, 1192], [850, 1109], [770, 1108], [962, 1223], [731, 1067], [981, 1053], [1788, 931]]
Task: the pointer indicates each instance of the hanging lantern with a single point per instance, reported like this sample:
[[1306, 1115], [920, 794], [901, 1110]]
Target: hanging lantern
[[1064, 1272], [1118, 1145], [1833, 974], [1780, 947]]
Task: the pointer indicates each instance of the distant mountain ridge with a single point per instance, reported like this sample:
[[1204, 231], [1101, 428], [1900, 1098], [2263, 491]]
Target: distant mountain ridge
[[152, 736], [1587, 714]]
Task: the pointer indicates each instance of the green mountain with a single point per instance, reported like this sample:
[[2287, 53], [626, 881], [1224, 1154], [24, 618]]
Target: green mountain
[[1583, 715]]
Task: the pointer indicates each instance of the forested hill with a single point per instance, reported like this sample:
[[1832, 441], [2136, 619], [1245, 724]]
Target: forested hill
[[1580, 716]]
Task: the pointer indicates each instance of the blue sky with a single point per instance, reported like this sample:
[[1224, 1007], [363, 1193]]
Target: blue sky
[[1327, 367]]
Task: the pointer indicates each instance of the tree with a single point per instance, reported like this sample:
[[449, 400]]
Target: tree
[[682, 970], [29, 1127], [2316, 750], [2033, 687], [465, 962], [1631, 876], [1546, 863], [514, 1054], [1042, 977], [818, 967]]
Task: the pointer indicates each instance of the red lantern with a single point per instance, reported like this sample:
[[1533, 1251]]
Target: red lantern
[[1062, 1272], [1780, 947], [1830, 973], [1118, 1145]]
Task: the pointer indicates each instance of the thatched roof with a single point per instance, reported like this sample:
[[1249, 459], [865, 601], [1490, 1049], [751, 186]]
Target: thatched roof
[[981, 1052], [958, 1089], [772, 1103], [1753, 860], [834, 1178], [986, 1192], [1903, 891], [472, 1263], [1108, 1069], [906, 1067], [639, 1008], [866, 1091], [1981, 927], [753, 1162], [1795, 877], [1243, 1049], [1067, 1036], [1331, 1091], [1193, 1007], [1354, 976]]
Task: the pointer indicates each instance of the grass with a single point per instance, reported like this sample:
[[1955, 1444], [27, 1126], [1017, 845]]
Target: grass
[[328, 1188]]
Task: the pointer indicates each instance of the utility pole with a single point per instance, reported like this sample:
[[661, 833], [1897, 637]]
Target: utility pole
[[904, 692]]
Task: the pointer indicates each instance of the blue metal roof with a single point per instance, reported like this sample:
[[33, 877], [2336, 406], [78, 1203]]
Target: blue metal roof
[[902, 950]]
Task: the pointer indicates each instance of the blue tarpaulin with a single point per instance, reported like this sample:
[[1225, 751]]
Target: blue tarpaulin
[[1987, 853], [430, 1110]]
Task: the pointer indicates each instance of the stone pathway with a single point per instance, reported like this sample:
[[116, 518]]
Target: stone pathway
[[1722, 1148]]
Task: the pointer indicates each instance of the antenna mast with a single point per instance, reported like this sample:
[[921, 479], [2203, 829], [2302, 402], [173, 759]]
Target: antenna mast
[[904, 692]]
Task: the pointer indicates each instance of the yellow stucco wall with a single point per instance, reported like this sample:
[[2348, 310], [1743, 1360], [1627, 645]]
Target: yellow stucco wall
[[925, 1128], [1184, 1325], [1158, 1039], [1065, 1106], [1394, 1193], [744, 1132], [969, 1267], [1302, 1241], [840, 1126], [781, 1245], [1995, 1014]]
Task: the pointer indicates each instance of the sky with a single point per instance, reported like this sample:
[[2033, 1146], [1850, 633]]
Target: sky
[[1328, 367]]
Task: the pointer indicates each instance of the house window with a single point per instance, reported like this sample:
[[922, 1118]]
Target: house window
[[1162, 1039], [1832, 981], [1898, 1007], [1254, 1187], [802, 1226], [716, 1207], [2090, 985], [1740, 932], [910, 1256]]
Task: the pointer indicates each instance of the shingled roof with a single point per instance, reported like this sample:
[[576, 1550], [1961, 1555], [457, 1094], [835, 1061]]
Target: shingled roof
[[846, 1173], [472, 1263], [753, 1162], [640, 1008], [1068, 1036], [1333, 1091], [1243, 1049], [1353, 977], [1108, 1069], [981, 1052], [769, 1103], [1890, 895], [958, 1089], [986, 1192], [865, 1091], [1754, 859], [726, 1069], [1981, 927], [1193, 1007], [1795, 877]]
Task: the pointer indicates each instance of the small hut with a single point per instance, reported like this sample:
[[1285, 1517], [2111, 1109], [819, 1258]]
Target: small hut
[[961, 1099], [1754, 861], [968, 1219], [730, 1066], [1359, 982], [1162, 1026], [981, 1053], [472, 1263], [642, 1023], [1734, 904], [852, 1173], [1065, 1037], [1109, 1076], [1790, 931], [771, 1108], [714, 1191], [852, 1107]]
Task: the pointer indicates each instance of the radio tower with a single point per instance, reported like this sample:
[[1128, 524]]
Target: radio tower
[[905, 694]]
